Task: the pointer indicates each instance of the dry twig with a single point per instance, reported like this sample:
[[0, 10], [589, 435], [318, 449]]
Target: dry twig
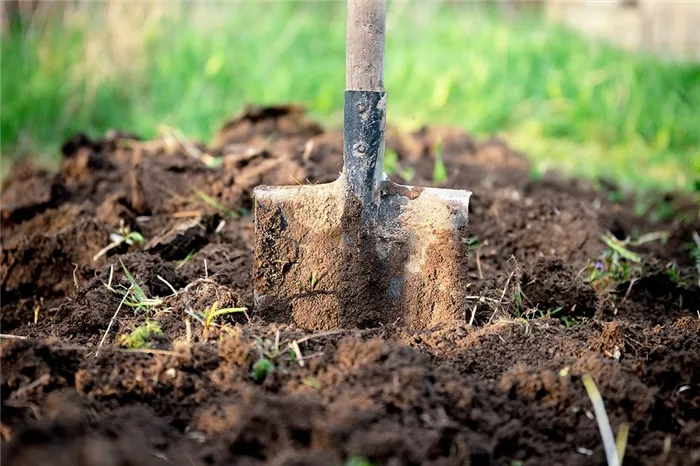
[[500, 300], [13, 337], [111, 322], [478, 260], [22, 390]]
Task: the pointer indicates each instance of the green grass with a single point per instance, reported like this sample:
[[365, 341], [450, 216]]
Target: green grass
[[122, 236], [140, 337], [261, 368], [211, 314], [571, 104]]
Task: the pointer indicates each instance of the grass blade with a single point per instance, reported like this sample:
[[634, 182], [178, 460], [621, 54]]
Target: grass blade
[[616, 246], [136, 289], [194, 316], [227, 310], [601, 418], [209, 200], [653, 236], [184, 261], [621, 441]]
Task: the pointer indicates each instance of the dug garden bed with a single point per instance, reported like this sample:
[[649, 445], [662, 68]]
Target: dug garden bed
[[129, 335]]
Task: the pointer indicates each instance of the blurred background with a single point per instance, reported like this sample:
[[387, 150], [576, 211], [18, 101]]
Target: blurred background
[[589, 88]]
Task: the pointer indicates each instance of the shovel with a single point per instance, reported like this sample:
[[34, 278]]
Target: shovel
[[361, 251]]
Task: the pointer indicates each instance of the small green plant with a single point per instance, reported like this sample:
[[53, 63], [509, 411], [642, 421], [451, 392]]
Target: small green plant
[[439, 170], [261, 368], [517, 299], [569, 322], [123, 236], [552, 313], [674, 275], [140, 337], [270, 349], [210, 201], [556, 310], [473, 243], [616, 265], [135, 296], [213, 312], [208, 317], [309, 284], [619, 248], [565, 320]]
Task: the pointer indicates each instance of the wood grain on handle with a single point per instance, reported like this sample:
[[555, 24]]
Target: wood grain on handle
[[364, 65]]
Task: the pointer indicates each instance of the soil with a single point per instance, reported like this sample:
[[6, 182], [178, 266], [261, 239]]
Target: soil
[[500, 384]]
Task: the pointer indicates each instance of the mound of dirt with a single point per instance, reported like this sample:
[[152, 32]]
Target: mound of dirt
[[151, 352]]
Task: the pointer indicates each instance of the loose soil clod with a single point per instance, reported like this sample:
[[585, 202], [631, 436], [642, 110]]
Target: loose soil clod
[[500, 385]]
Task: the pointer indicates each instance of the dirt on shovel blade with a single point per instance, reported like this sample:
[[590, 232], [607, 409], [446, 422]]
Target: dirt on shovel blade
[[143, 354]]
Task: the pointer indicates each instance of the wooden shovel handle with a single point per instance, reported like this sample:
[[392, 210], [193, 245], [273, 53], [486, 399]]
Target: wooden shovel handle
[[364, 65]]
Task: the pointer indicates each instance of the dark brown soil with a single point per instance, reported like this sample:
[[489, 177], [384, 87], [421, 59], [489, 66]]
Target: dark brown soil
[[500, 385]]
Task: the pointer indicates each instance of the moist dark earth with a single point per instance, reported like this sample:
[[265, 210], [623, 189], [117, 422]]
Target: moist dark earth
[[502, 385]]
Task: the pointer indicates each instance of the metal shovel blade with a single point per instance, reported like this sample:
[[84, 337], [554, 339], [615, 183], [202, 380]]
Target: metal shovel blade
[[319, 267], [361, 251]]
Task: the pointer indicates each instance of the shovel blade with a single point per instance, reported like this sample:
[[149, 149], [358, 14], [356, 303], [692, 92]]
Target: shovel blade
[[319, 266]]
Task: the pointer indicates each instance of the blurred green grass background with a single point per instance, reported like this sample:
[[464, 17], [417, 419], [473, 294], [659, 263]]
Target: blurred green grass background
[[570, 104]]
